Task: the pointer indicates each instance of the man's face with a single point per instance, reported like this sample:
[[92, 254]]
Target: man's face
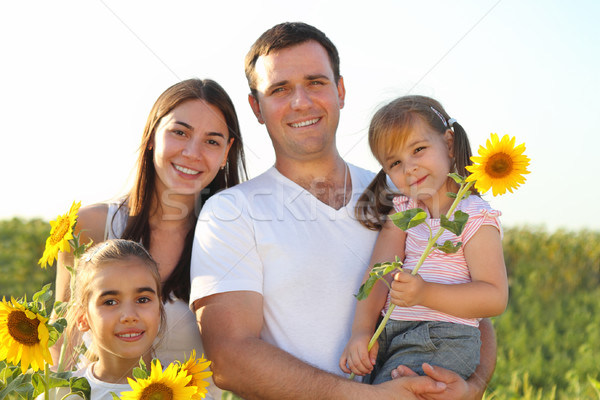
[[299, 101]]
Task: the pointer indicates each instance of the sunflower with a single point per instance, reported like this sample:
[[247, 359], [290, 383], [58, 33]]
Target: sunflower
[[500, 166], [169, 384], [60, 233], [195, 368], [23, 336]]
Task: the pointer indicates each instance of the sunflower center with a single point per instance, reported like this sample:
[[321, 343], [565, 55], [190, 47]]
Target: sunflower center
[[23, 329], [499, 165], [60, 231], [157, 391]]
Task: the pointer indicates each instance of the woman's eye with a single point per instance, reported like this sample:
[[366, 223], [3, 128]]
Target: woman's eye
[[144, 300], [418, 149], [110, 302], [178, 132], [212, 142]]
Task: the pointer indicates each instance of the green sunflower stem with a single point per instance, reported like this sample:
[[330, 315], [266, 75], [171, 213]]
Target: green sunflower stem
[[377, 333], [46, 380], [464, 187], [65, 338], [432, 240], [63, 352]]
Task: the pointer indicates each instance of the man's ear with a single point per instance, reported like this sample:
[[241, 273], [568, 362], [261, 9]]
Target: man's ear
[[255, 108], [341, 92]]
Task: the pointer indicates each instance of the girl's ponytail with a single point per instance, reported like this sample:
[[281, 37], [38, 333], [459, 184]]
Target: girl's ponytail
[[462, 151], [375, 203]]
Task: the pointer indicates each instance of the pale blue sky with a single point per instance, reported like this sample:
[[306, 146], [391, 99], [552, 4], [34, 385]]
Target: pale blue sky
[[78, 78]]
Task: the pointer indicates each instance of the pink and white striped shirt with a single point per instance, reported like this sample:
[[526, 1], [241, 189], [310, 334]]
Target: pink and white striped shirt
[[440, 267]]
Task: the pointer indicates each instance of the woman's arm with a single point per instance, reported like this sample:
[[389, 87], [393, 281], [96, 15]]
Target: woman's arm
[[91, 221]]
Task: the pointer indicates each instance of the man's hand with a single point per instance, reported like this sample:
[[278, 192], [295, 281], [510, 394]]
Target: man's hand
[[455, 387], [410, 387]]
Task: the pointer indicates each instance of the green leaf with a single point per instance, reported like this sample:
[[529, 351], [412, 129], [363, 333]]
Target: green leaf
[[365, 289], [60, 324], [457, 225], [229, 396], [80, 386], [448, 247], [60, 308], [44, 294], [595, 385], [5, 372], [379, 271], [71, 270], [409, 218], [55, 330], [21, 384], [15, 371], [457, 178], [140, 373], [114, 396], [37, 381], [55, 380], [453, 195]]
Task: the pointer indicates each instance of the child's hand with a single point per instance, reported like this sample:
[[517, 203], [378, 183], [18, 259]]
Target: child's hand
[[356, 359], [407, 289]]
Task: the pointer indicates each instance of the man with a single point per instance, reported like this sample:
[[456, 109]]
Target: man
[[277, 259]]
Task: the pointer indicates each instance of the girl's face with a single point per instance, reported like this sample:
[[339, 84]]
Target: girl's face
[[123, 311], [191, 144], [420, 168]]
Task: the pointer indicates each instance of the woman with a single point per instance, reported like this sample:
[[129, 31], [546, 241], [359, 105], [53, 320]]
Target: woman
[[191, 148]]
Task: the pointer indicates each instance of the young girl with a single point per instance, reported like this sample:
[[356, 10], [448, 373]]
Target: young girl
[[117, 300], [438, 310]]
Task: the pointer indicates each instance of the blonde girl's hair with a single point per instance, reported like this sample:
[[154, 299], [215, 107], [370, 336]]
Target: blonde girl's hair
[[93, 260], [389, 128]]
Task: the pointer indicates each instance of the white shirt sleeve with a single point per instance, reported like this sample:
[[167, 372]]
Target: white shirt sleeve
[[224, 253]]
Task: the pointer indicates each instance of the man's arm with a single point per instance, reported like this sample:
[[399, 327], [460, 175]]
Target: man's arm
[[230, 324], [487, 361]]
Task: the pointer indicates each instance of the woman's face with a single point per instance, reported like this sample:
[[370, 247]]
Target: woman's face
[[191, 144]]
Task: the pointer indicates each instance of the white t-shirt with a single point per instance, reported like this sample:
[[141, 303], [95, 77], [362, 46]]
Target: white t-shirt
[[306, 259], [100, 390]]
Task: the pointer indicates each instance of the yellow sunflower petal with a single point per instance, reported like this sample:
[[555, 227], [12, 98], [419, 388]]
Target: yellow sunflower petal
[[196, 369], [168, 384], [24, 336], [500, 165], [61, 231]]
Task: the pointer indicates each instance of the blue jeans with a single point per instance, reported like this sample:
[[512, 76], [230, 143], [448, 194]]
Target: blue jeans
[[411, 343]]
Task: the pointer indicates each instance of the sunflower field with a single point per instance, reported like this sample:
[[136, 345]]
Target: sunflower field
[[548, 338]]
